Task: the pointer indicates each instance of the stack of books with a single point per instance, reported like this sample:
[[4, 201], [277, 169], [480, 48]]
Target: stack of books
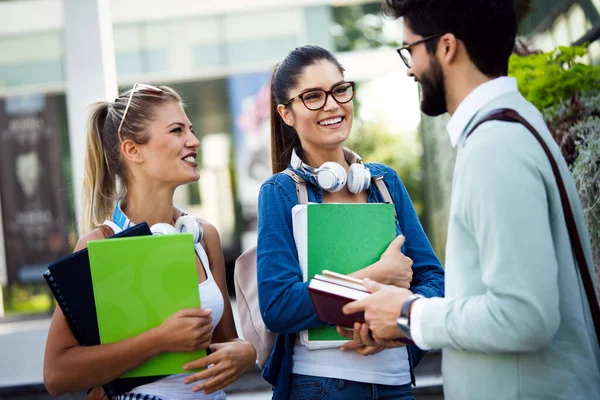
[[123, 286], [340, 238], [330, 292]]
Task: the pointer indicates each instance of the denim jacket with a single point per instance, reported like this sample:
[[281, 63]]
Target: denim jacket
[[284, 301]]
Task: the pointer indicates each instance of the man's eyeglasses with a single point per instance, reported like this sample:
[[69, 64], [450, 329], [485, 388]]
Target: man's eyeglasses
[[405, 51], [316, 99], [136, 86]]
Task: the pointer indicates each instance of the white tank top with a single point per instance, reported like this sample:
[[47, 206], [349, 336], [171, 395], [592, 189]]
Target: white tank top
[[172, 386]]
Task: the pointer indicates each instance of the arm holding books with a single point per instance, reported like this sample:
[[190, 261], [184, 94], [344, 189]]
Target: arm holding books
[[283, 296], [393, 267], [230, 356], [69, 367]]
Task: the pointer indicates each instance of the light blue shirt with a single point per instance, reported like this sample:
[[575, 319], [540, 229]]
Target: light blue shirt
[[515, 323]]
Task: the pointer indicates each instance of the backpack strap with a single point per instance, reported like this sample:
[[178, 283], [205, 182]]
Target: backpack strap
[[509, 115], [300, 185], [106, 230], [303, 194], [381, 186]]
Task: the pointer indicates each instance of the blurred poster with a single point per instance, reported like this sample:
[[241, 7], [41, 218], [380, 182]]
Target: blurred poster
[[33, 208], [249, 97]]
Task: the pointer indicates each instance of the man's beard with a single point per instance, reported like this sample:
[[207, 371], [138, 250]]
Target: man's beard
[[433, 91]]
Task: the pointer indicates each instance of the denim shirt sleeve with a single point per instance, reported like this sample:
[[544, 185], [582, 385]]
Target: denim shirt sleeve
[[283, 297], [428, 274]]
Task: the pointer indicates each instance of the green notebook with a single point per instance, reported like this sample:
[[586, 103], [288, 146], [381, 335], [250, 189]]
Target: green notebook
[[343, 238], [138, 283]]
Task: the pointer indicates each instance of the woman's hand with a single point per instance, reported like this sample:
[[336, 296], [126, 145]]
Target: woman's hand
[[362, 340], [359, 336], [393, 267], [230, 359], [186, 330]]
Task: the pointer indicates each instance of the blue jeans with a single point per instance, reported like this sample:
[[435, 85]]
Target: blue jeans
[[316, 388]]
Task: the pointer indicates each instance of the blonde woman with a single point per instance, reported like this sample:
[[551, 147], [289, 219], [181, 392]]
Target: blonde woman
[[145, 141]]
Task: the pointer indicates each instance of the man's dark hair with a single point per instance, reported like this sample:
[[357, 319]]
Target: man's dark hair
[[486, 27]]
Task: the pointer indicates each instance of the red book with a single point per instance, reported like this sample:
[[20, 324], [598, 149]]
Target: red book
[[330, 292]]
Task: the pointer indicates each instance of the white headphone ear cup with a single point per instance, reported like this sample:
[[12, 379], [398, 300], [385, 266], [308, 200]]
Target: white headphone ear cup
[[188, 224], [331, 176], [359, 178], [162, 229]]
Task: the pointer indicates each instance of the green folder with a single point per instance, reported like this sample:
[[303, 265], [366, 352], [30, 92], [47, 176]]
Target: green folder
[[343, 238], [138, 283]]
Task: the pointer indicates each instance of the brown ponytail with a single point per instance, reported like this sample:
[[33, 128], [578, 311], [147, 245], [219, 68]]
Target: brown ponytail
[[283, 137]]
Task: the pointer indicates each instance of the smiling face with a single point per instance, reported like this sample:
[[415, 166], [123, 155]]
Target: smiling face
[[427, 71], [328, 127], [169, 156]]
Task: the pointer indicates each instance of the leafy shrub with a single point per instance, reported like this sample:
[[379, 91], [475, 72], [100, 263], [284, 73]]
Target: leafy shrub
[[545, 79], [562, 118], [586, 172], [575, 124]]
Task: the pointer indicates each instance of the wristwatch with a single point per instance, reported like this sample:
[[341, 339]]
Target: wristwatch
[[404, 321]]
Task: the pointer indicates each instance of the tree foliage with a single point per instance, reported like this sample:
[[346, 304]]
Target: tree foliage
[[359, 27]]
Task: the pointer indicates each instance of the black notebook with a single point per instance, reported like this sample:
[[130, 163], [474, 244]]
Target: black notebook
[[70, 281]]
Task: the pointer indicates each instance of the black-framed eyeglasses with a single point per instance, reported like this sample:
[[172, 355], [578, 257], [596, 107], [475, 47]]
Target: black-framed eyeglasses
[[405, 53], [315, 99]]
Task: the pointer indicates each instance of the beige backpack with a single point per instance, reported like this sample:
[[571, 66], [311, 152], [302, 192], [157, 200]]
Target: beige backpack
[[246, 288]]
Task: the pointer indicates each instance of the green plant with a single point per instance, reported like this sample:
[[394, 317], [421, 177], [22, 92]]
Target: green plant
[[562, 118], [546, 79], [586, 172], [575, 124]]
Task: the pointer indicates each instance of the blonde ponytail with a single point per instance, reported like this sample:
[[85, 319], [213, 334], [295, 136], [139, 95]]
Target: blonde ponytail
[[99, 183], [105, 176]]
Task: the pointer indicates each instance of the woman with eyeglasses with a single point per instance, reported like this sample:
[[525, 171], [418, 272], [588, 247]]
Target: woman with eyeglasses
[[311, 117], [140, 148]]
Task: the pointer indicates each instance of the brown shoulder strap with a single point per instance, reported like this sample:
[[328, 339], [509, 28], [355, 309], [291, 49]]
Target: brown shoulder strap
[[106, 230], [300, 186], [505, 114]]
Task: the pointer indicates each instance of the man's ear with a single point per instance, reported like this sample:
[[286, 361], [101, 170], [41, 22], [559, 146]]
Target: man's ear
[[448, 48], [286, 114], [131, 151]]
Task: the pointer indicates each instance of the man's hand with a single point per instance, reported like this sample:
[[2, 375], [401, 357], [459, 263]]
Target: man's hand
[[381, 308]]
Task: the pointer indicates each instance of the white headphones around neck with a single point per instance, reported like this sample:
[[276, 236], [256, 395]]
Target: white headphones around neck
[[183, 224], [332, 177]]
